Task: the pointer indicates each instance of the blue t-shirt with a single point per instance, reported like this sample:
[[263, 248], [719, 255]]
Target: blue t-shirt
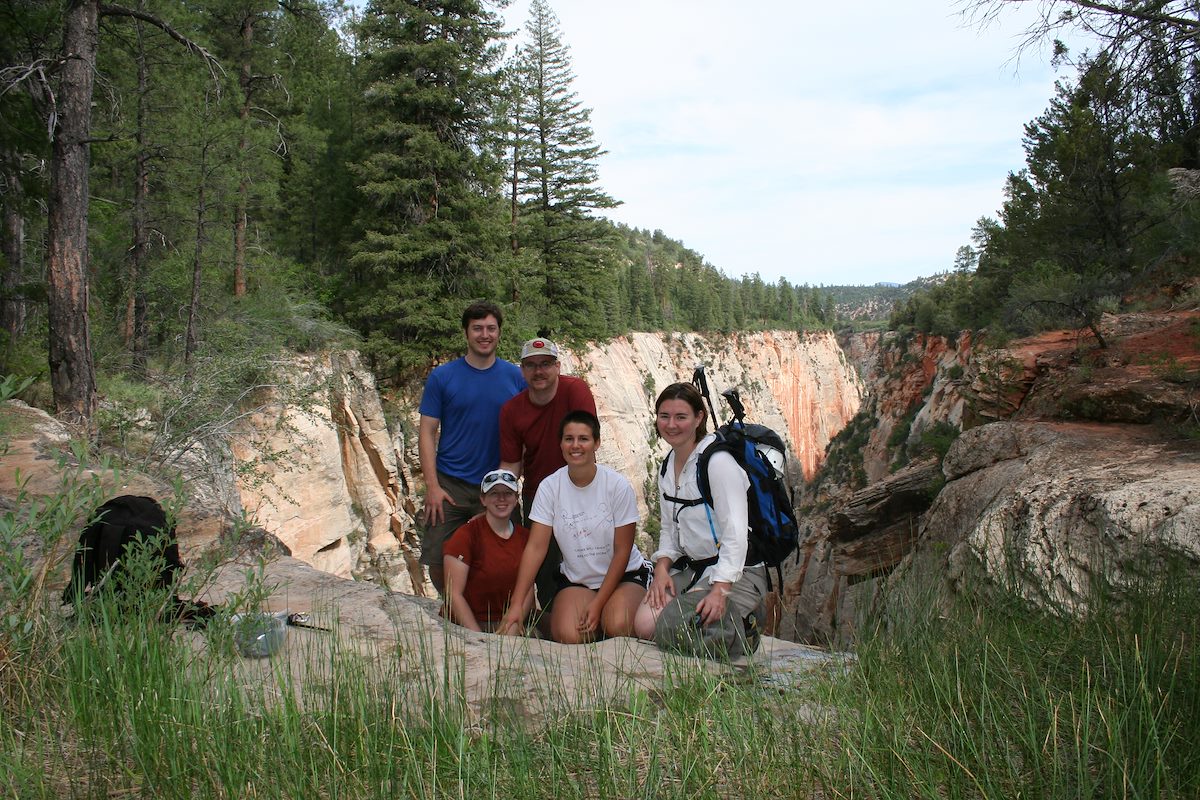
[[467, 403]]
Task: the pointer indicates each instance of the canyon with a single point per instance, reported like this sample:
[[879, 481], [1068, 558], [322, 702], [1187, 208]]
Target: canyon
[[1029, 467], [346, 501]]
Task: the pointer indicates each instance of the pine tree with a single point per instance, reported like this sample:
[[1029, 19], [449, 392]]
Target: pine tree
[[29, 34], [556, 180], [69, 118], [434, 230], [169, 148], [246, 35], [319, 140]]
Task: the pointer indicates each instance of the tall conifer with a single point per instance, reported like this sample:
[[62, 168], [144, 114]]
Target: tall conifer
[[434, 227], [557, 180]]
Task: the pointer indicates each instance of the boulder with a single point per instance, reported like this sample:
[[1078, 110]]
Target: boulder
[[407, 640], [38, 461], [1051, 507]]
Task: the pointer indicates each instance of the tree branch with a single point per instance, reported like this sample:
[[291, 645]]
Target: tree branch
[[1138, 14], [297, 10], [33, 77], [120, 11], [1119, 25]]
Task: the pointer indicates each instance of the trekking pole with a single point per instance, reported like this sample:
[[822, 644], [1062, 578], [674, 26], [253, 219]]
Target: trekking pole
[[735, 402], [301, 619], [702, 384]]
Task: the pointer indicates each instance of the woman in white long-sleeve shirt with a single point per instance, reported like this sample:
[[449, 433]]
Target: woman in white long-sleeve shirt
[[704, 597]]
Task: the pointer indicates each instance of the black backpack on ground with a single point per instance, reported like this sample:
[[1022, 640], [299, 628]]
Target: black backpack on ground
[[116, 527], [774, 532]]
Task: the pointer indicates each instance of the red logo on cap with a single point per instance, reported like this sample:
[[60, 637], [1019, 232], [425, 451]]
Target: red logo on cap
[[539, 344]]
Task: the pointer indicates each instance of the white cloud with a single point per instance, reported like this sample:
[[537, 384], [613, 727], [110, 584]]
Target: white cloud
[[821, 144]]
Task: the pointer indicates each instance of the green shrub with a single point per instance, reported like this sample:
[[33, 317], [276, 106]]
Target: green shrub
[[937, 438], [843, 454], [900, 433]]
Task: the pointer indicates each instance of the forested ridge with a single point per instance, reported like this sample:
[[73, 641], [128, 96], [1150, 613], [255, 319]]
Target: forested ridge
[[249, 174], [1104, 215], [188, 187]]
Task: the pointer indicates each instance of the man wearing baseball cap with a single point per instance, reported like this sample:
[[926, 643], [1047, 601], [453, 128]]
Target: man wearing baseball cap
[[529, 434]]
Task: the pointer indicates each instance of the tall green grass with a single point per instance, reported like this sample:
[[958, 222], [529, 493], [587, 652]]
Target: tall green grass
[[989, 701], [998, 700]]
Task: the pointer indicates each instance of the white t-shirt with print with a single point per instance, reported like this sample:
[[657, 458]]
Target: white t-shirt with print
[[585, 519]]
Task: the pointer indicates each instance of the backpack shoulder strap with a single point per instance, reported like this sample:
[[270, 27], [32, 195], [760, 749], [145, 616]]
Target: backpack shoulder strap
[[702, 481], [721, 444], [83, 567]]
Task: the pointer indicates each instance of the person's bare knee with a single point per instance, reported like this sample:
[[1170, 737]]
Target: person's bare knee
[[565, 614], [565, 629], [621, 609], [568, 635], [617, 622], [643, 621]]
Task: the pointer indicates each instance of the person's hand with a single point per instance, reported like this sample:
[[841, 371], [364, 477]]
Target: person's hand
[[589, 620], [661, 590], [712, 607], [435, 512], [510, 626]]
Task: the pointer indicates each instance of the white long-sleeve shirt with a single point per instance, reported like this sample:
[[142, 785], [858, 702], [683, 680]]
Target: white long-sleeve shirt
[[686, 531]]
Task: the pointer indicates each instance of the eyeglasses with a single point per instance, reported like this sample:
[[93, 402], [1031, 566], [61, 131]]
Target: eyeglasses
[[534, 366], [497, 476]]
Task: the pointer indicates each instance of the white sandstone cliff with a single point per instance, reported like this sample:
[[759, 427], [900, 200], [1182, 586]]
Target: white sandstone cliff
[[341, 498]]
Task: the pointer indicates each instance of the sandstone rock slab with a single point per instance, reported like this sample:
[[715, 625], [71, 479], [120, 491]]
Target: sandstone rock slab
[[407, 639], [1077, 502]]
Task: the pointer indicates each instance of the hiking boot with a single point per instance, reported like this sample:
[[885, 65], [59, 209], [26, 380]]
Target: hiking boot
[[753, 634]]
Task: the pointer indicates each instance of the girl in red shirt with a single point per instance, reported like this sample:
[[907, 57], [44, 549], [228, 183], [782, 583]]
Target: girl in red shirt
[[481, 559]]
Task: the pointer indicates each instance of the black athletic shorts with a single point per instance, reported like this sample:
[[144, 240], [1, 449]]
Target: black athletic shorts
[[641, 576]]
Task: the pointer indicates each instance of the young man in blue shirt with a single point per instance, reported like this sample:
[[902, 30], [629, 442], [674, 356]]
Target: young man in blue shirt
[[459, 438]]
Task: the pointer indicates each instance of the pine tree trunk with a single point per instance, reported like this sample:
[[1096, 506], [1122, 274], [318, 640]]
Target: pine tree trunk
[[243, 195], [72, 372], [12, 246], [515, 182], [192, 337], [134, 329]]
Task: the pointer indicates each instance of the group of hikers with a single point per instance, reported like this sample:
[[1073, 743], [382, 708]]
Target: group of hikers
[[495, 437]]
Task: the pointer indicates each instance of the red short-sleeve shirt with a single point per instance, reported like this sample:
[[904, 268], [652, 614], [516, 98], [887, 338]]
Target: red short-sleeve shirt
[[493, 564], [529, 433]]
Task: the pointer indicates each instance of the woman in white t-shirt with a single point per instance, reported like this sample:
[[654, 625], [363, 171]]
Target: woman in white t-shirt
[[591, 511]]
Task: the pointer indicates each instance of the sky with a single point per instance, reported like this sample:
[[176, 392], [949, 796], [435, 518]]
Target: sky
[[823, 143]]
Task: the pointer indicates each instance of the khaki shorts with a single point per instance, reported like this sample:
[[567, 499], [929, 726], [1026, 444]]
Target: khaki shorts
[[736, 634], [466, 497]]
